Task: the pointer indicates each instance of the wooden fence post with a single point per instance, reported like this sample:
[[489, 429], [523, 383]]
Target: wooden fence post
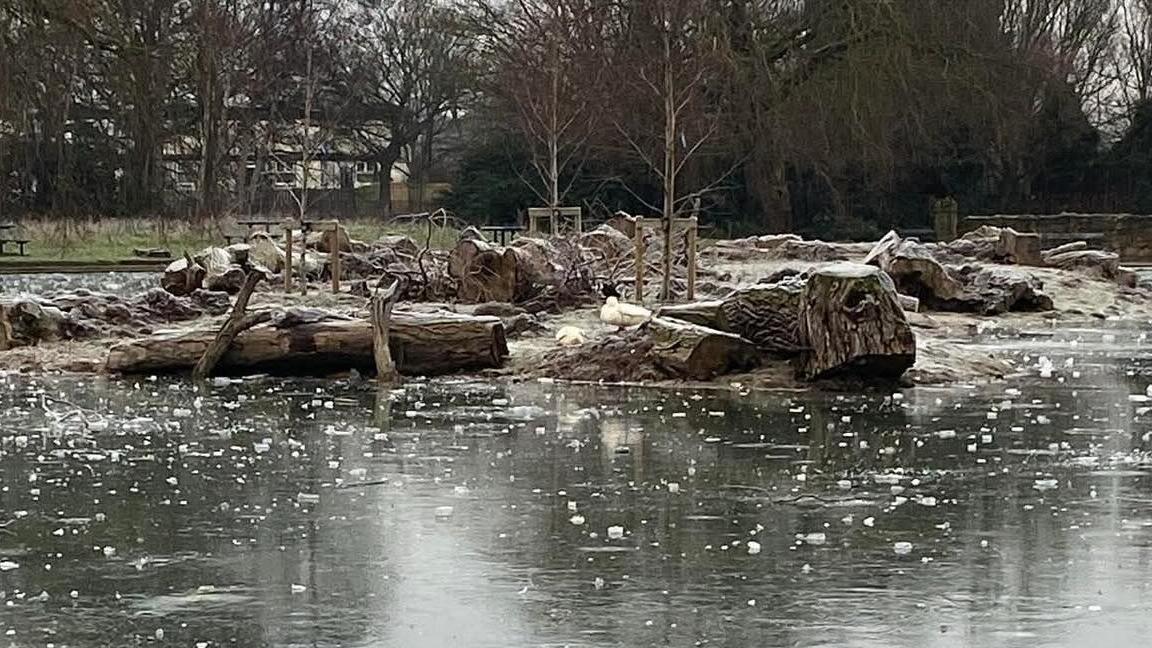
[[640, 261], [945, 219], [334, 250], [288, 227], [692, 225]]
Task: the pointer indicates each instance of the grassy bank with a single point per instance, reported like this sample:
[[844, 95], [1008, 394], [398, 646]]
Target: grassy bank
[[114, 239]]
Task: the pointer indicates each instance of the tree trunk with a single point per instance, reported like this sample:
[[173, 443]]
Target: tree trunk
[[766, 315], [420, 344], [851, 323], [698, 352]]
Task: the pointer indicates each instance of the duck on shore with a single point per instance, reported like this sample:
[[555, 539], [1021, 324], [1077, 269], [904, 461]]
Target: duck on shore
[[621, 314]]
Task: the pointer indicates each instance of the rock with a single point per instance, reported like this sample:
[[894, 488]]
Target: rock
[[851, 323], [264, 251], [1018, 248], [517, 325], [152, 253]]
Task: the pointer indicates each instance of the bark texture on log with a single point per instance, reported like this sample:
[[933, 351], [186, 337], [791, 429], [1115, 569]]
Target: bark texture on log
[[765, 314], [852, 323], [698, 352], [420, 343]]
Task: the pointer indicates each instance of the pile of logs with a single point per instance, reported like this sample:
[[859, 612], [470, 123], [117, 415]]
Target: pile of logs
[[841, 320]]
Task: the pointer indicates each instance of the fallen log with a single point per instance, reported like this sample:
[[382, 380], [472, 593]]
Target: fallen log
[[851, 322], [764, 314], [420, 344], [698, 352]]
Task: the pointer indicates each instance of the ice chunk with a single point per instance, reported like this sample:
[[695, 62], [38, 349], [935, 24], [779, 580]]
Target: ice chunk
[[902, 548], [444, 512], [753, 547], [615, 532]]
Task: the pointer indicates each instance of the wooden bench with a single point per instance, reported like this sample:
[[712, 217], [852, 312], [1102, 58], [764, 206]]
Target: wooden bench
[[6, 237], [501, 233]]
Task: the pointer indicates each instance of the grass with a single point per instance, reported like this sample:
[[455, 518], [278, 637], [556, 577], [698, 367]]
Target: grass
[[113, 239]]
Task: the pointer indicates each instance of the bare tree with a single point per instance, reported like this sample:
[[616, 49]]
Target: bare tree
[[669, 64], [408, 65], [545, 71]]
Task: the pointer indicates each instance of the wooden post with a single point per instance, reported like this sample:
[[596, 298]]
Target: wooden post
[[692, 225], [236, 323], [382, 303], [304, 226], [640, 262], [945, 219], [288, 227], [334, 250]]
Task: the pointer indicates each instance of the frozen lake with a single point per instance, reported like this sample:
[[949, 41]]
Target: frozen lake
[[454, 513]]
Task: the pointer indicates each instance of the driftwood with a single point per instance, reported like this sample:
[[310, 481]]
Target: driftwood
[[420, 344], [851, 323], [236, 323], [381, 304], [698, 352]]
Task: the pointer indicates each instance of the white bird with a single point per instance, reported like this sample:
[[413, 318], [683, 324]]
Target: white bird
[[570, 336], [621, 314]]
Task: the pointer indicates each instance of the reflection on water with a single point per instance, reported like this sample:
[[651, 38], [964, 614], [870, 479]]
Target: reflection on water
[[314, 513], [45, 285]]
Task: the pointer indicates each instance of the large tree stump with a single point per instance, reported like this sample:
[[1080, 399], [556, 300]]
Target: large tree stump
[[698, 352], [382, 303], [420, 344], [852, 323]]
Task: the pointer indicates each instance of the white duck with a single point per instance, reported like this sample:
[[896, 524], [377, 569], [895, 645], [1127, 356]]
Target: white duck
[[570, 336], [621, 314]]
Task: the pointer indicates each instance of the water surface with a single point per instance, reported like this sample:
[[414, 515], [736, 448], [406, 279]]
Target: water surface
[[313, 513]]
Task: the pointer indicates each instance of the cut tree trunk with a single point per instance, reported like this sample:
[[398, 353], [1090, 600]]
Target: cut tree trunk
[[914, 270], [382, 303], [698, 352], [183, 276], [1019, 248], [236, 323], [767, 314], [420, 344], [852, 323]]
